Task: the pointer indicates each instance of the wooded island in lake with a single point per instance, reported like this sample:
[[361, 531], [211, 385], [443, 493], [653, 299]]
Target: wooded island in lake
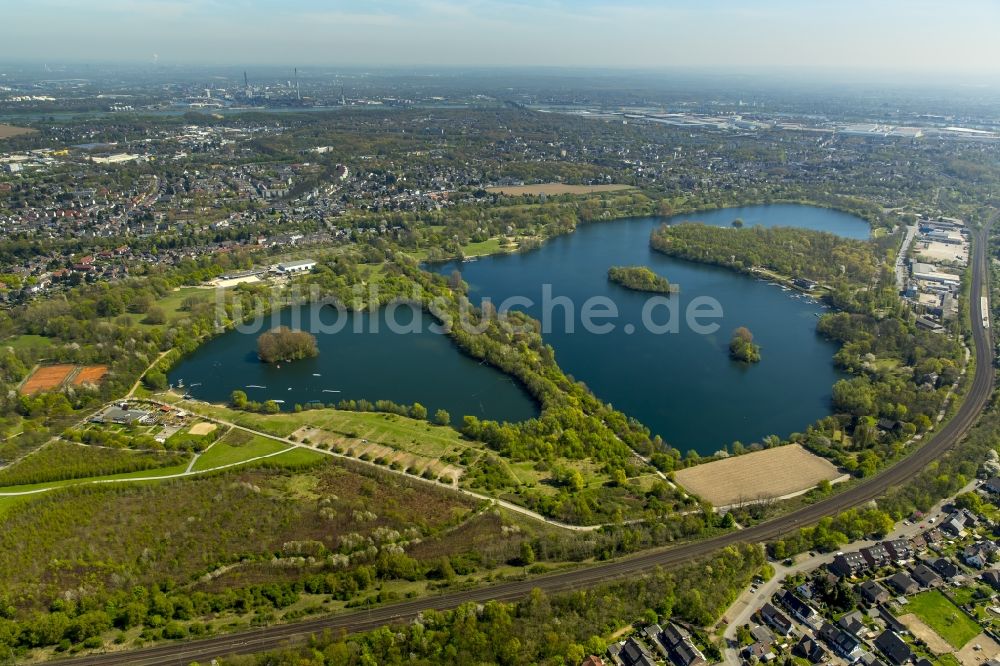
[[639, 278]]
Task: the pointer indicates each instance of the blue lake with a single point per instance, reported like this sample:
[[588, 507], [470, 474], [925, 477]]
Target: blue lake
[[682, 384]]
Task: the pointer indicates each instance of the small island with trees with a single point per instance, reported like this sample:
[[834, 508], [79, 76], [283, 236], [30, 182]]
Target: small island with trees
[[639, 278], [284, 344], [742, 347]]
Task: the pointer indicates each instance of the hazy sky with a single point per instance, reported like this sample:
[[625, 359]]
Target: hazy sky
[[941, 36]]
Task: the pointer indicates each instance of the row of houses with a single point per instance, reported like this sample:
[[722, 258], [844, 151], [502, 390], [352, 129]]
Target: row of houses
[[671, 642]]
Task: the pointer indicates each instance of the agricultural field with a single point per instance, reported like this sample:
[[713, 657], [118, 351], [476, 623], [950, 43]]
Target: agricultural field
[[61, 461], [770, 473], [555, 188], [946, 619], [8, 131]]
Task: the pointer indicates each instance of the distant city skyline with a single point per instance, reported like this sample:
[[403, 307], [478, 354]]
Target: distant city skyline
[[939, 38]]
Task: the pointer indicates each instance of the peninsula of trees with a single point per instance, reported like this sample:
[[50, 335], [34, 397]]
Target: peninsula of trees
[[742, 347], [639, 278], [815, 255], [284, 344]]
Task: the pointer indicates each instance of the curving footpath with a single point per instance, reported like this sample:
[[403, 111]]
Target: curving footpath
[[269, 638]]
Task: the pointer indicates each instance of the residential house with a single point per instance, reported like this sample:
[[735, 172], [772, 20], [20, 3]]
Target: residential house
[[852, 624], [872, 592], [842, 643], [811, 649], [775, 619], [757, 652], [978, 554], [992, 578], [798, 608], [924, 575], [592, 660], [893, 647], [903, 584], [900, 549], [946, 568], [763, 635], [877, 556], [849, 564], [955, 523], [630, 653], [992, 486], [675, 643]]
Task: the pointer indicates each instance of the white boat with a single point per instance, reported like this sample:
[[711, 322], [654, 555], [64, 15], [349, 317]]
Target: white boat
[[330, 391], [316, 374], [255, 386], [280, 402]]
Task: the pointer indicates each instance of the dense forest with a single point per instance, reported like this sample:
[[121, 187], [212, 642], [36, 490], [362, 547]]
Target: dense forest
[[547, 630], [789, 252], [58, 461]]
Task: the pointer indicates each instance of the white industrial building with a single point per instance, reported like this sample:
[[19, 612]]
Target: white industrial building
[[303, 266], [930, 273]]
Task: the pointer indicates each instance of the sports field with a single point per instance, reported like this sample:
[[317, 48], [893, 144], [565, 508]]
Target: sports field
[[47, 378], [90, 374], [50, 377]]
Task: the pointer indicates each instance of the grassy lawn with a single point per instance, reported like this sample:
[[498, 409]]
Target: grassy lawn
[[300, 457], [398, 432], [21, 342], [234, 449], [171, 303], [491, 246], [944, 617], [150, 473]]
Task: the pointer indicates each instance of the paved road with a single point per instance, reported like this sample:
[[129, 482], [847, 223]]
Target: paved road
[[273, 637]]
